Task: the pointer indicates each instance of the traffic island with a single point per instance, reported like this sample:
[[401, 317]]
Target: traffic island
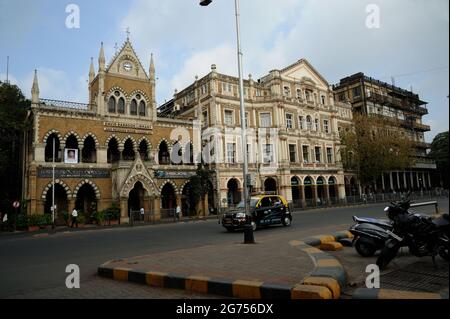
[[267, 270]]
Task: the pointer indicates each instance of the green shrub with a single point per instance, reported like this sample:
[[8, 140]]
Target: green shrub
[[98, 217], [40, 220], [81, 218], [112, 213], [22, 221]]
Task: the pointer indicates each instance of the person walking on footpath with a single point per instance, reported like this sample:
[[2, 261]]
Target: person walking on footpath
[[142, 213], [178, 212], [74, 218]]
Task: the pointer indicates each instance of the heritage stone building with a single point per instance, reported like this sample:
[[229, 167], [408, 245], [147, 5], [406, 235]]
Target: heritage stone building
[[292, 125], [115, 149]]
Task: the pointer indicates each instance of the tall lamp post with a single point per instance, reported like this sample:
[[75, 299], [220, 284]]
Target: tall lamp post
[[248, 233]]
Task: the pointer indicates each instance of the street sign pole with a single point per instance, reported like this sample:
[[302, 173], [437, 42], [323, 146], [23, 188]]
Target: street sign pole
[[53, 187]]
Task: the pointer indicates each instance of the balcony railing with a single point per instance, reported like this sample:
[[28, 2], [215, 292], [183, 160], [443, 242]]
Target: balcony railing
[[66, 104], [398, 103]]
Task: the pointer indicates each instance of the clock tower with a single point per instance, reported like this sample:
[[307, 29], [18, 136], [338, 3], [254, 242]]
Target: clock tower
[[123, 89]]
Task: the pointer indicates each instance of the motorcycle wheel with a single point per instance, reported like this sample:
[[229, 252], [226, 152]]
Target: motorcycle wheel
[[365, 249], [443, 250], [386, 256]]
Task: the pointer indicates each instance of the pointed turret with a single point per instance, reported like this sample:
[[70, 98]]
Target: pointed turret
[[35, 89], [101, 59], [91, 71], [152, 69]]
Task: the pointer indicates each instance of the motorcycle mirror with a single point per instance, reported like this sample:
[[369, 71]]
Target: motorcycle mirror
[[386, 209]]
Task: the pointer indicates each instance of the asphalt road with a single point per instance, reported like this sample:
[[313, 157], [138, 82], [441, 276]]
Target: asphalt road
[[35, 264]]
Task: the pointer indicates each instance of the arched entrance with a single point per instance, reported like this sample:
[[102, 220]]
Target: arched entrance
[[168, 197], [233, 194], [270, 185], [187, 201], [136, 199], [309, 196], [296, 193], [321, 194], [60, 202], [333, 190], [86, 201]]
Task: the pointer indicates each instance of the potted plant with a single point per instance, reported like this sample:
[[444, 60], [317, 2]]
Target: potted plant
[[98, 217], [34, 222], [112, 215]]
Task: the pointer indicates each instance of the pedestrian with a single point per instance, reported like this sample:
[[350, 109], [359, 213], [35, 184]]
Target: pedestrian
[[74, 218], [178, 212], [142, 213]]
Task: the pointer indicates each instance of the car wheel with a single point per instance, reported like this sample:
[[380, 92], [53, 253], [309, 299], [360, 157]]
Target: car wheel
[[287, 221]]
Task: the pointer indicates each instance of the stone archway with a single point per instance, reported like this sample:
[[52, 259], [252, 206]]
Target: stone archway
[[270, 185]]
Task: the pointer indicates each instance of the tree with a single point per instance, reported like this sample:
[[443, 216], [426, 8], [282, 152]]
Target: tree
[[13, 112], [374, 146], [200, 186], [439, 152]]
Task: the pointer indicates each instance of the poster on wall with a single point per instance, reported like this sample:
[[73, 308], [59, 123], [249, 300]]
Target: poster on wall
[[70, 156]]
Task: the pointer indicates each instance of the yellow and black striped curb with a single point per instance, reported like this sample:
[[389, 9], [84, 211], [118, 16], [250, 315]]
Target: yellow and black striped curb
[[365, 293], [328, 271], [323, 283], [216, 286]]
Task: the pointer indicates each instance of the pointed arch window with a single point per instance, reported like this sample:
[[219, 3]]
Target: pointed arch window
[[112, 105], [142, 108], [121, 106], [133, 107]]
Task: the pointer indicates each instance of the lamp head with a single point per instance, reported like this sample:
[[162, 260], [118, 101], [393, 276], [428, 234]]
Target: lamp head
[[205, 2]]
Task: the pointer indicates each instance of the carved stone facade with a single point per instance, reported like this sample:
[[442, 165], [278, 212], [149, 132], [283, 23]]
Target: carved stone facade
[[116, 138]]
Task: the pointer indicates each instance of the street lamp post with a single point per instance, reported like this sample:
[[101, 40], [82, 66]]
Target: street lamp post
[[248, 233]]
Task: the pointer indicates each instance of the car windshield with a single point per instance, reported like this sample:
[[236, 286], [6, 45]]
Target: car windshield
[[253, 203]]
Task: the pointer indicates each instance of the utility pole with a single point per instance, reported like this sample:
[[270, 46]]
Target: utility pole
[[248, 233], [7, 69], [53, 186]]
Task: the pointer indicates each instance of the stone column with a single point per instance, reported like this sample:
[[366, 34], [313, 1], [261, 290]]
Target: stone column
[[124, 210], [178, 201], [102, 154], [405, 183], [327, 192], [302, 195], [411, 176], [157, 208], [383, 188], [429, 180], [341, 192], [314, 193], [391, 181]]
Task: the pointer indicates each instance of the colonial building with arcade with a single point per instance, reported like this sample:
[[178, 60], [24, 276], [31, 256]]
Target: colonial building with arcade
[[113, 150], [118, 149]]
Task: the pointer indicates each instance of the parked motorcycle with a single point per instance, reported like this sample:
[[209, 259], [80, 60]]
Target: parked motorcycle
[[423, 235], [370, 234]]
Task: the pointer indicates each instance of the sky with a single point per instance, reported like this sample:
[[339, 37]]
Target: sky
[[410, 42]]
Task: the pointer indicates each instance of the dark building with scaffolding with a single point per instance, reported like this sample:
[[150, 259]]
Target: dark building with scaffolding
[[405, 110]]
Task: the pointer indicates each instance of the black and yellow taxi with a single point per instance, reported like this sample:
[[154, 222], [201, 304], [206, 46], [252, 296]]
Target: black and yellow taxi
[[265, 210]]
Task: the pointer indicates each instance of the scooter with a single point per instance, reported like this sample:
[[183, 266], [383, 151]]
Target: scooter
[[370, 235]]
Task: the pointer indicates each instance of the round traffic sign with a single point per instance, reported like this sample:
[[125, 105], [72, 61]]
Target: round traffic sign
[[16, 204]]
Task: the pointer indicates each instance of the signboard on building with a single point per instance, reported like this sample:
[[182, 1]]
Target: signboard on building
[[74, 173], [173, 175]]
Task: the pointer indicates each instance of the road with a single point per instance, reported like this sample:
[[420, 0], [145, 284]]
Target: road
[[34, 266]]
